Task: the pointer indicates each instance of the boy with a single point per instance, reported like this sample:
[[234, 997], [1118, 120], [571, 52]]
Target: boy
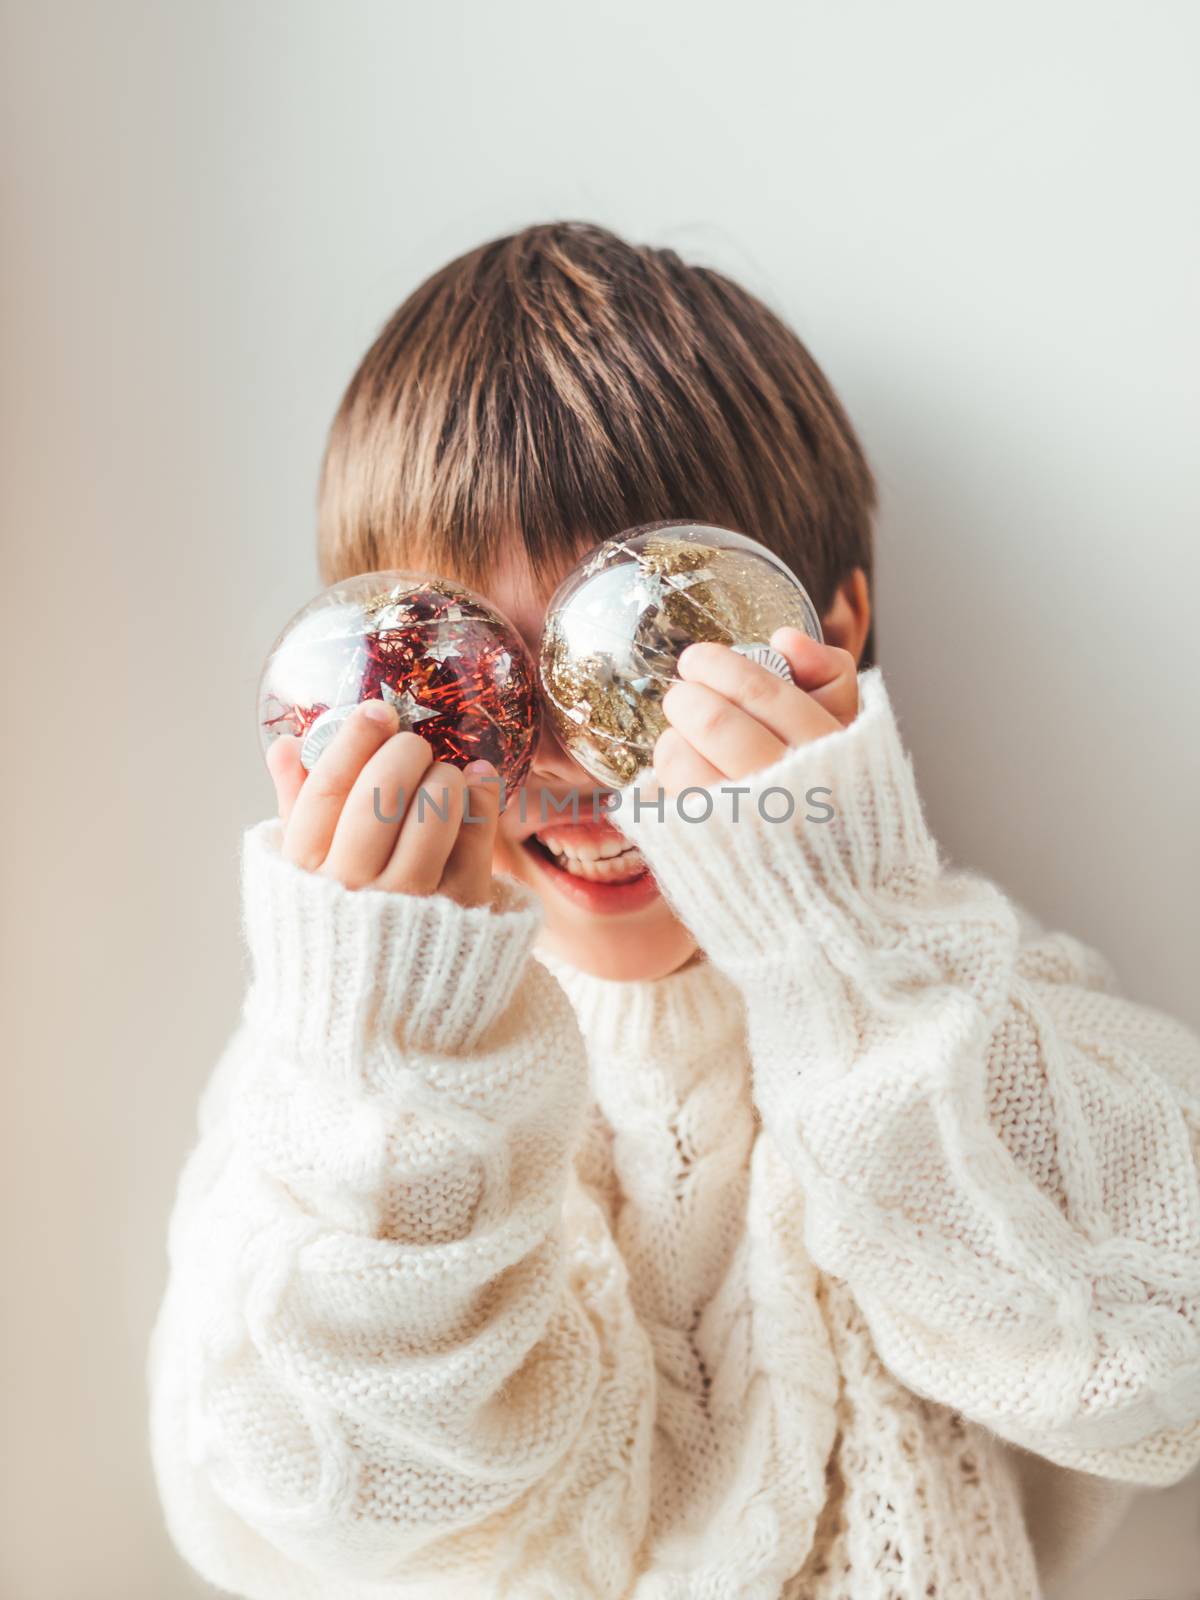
[[637, 1206]]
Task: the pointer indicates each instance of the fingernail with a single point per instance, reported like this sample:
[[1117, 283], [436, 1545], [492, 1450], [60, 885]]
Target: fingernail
[[484, 767], [378, 711]]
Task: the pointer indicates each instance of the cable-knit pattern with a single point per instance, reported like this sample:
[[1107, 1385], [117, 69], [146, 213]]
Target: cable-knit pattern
[[711, 1225], [397, 1346], [998, 1153], [858, 1260]]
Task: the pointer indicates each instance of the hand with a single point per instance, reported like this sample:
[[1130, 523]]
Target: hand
[[332, 826], [731, 717]]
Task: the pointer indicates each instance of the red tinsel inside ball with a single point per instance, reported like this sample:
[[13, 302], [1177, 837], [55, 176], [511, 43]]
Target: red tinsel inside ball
[[456, 671]]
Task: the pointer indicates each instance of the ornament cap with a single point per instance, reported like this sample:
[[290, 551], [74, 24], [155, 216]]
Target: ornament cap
[[767, 656]]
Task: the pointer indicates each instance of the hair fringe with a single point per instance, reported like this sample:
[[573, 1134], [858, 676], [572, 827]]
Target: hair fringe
[[558, 385]]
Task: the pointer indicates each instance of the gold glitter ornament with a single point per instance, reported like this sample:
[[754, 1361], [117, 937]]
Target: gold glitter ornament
[[617, 624]]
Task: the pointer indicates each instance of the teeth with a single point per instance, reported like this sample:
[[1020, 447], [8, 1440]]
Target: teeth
[[605, 869], [588, 852], [610, 861]]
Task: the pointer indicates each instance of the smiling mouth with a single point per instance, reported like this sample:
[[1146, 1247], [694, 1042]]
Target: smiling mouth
[[615, 861], [593, 865]]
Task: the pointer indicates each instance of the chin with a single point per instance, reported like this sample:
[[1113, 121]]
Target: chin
[[635, 955]]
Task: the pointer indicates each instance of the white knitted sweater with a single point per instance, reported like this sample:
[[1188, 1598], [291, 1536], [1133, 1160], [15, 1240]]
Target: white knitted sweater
[[859, 1259]]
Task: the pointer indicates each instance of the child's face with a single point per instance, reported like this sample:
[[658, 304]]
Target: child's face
[[604, 914]]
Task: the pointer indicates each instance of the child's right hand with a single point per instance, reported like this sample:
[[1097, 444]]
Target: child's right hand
[[332, 826]]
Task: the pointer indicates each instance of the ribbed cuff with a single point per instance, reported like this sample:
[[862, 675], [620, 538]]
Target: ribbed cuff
[[347, 977], [821, 841]]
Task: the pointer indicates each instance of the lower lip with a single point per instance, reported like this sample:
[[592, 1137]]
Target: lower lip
[[605, 898]]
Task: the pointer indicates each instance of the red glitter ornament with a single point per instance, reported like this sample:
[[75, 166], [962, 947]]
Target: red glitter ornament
[[456, 670]]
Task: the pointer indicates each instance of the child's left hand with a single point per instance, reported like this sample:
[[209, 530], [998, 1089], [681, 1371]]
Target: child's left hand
[[731, 717]]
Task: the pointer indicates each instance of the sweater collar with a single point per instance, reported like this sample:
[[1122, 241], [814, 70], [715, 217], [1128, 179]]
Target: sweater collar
[[652, 1017]]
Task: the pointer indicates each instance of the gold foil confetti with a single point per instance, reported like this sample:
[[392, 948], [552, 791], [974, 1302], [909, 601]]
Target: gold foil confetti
[[609, 649]]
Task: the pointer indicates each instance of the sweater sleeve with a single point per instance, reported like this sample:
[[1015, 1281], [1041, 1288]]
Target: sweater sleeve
[[998, 1152], [372, 1359]]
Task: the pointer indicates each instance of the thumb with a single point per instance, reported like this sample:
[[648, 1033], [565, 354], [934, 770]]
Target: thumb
[[287, 772], [467, 875], [826, 673]]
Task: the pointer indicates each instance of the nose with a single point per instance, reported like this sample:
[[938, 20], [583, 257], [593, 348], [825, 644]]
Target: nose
[[551, 763]]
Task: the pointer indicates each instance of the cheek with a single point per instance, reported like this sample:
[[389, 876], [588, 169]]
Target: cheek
[[508, 856], [512, 827]]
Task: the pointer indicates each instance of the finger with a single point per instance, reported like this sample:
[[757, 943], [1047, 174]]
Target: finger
[[318, 806], [728, 738], [784, 710], [467, 875], [287, 772], [427, 834], [371, 818], [826, 673], [678, 766]]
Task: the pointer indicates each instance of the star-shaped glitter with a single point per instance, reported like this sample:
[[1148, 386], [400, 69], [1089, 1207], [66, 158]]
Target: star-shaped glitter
[[409, 710], [447, 643]]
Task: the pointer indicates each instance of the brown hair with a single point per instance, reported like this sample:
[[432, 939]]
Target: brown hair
[[559, 385]]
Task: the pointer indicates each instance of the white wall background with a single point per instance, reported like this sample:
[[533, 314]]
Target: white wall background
[[982, 218]]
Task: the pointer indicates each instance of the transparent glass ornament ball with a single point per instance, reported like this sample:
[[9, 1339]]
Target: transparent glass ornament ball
[[618, 622], [456, 670]]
